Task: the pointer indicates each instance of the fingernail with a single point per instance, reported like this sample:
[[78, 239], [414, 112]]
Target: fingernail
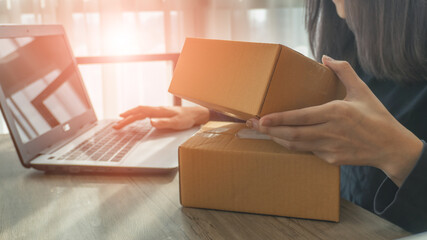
[[327, 58], [254, 123]]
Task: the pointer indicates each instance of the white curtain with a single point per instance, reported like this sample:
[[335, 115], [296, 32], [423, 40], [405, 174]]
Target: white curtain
[[117, 27]]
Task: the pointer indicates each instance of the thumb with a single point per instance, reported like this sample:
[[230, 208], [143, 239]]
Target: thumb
[[162, 123], [346, 74], [174, 123]]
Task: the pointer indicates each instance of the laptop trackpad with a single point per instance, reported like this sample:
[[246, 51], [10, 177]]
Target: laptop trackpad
[[159, 149]]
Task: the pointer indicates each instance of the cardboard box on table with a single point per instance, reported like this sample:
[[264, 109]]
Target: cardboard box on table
[[218, 170]]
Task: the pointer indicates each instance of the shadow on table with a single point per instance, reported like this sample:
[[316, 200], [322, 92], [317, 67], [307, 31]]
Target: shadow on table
[[99, 199]]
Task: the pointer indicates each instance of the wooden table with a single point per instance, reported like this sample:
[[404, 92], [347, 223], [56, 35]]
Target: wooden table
[[36, 205]]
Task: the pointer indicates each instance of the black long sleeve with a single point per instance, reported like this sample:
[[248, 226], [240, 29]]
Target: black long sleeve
[[405, 206]]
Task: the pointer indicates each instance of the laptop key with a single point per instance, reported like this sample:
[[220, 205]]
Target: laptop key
[[108, 145]]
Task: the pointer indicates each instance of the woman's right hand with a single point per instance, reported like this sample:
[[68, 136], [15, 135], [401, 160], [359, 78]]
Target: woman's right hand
[[177, 118]]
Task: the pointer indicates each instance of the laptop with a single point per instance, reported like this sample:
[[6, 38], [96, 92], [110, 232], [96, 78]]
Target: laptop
[[51, 119]]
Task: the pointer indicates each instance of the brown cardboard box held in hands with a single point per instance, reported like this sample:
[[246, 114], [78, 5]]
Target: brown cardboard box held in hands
[[247, 80]]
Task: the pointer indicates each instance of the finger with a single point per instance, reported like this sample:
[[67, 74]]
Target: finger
[[148, 111], [171, 123], [162, 123], [252, 123], [131, 111], [345, 73], [128, 120], [299, 133], [305, 116]]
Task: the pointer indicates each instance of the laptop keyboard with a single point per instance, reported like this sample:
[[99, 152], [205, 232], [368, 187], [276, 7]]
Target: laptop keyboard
[[109, 145]]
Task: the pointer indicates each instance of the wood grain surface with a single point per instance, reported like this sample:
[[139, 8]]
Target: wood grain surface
[[36, 205]]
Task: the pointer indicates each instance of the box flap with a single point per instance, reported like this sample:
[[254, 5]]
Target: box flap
[[227, 76], [299, 82]]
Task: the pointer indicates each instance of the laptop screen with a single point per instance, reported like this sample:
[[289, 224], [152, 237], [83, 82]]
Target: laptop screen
[[40, 83]]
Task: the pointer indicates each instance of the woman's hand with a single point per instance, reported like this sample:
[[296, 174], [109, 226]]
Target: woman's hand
[[355, 131], [177, 118]]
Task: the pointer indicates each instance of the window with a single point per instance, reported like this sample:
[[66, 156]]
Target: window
[[124, 27]]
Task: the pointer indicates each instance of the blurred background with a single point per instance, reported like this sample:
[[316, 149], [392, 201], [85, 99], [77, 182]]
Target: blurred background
[[129, 27]]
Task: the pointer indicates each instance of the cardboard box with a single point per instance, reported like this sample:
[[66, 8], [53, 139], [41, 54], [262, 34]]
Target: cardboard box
[[219, 170], [247, 80]]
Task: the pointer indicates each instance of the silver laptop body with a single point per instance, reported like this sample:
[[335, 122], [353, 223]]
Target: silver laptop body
[[52, 121]]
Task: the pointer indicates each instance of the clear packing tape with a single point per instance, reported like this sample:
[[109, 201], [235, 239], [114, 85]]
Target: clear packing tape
[[246, 133]]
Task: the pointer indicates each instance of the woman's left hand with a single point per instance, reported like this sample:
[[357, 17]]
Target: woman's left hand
[[355, 131]]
